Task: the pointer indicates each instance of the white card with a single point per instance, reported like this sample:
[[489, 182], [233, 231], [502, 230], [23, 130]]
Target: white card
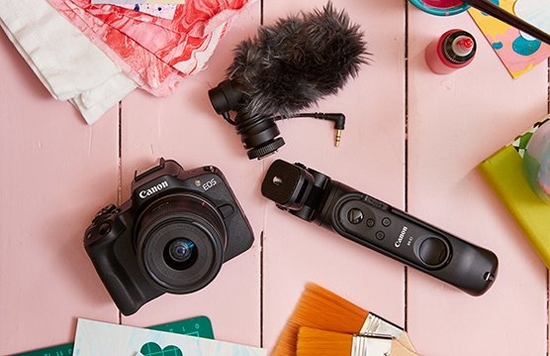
[[98, 338]]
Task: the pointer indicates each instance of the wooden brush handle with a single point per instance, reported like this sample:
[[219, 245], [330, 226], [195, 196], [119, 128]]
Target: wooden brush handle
[[406, 341], [398, 349]]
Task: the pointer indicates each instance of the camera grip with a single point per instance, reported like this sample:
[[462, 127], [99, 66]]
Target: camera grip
[[105, 250], [116, 283], [396, 234]]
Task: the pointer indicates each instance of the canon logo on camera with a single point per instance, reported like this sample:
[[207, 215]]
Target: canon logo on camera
[[154, 189]]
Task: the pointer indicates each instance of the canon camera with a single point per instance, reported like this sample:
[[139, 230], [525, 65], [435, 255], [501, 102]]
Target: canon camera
[[171, 236]]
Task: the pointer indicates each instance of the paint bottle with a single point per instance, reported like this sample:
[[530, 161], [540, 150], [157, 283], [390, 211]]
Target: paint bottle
[[453, 50]]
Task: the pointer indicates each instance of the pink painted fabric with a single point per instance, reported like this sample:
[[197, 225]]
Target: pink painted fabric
[[155, 52]]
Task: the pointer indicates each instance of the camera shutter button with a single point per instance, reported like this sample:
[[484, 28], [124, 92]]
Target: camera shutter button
[[433, 251]]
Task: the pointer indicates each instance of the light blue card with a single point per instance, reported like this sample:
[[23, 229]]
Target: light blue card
[[99, 338]]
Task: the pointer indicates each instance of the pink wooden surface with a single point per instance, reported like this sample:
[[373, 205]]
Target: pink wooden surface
[[455, 122], [57, 172]]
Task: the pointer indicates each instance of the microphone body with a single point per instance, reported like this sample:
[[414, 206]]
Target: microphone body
[[286, 68]]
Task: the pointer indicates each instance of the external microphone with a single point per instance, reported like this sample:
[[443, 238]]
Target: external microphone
[[315, 197], [286, 68]]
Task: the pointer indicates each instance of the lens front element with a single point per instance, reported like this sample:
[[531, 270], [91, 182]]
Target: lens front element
[[180, 254]]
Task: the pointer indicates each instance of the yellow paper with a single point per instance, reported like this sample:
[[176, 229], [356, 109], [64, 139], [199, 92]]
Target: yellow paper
[[504, 173], [517, 51]]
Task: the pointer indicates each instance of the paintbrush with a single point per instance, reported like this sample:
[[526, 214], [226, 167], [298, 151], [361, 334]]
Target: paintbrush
[[315, 342], [495, 11], [322, 309]]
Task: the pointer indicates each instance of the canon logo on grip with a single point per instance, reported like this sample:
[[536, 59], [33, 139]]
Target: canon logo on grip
[[401, 237], [152, 190]]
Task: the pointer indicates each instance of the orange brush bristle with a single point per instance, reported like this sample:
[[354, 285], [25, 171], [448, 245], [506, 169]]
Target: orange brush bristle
[[314, 342], [323, 309], [320, 308]]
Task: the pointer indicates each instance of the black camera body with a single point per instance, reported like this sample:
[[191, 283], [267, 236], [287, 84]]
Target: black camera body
[[372, 223], [172, 236]]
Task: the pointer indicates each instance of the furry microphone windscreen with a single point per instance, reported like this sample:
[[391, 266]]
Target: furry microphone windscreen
[[292, 64]]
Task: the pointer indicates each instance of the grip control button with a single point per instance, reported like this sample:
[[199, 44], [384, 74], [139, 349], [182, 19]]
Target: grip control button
[[355, 216], [433, 252]]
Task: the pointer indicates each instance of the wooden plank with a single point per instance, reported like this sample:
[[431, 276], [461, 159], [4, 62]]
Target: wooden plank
[[370, 158], [185, 127], [425, 163], [56, 174], [455, 121]]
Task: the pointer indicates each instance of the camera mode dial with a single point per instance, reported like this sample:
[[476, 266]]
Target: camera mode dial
[[104, 224], [104, 212]]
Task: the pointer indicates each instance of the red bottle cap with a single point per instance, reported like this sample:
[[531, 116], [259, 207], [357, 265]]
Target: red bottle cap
[[462, 46]]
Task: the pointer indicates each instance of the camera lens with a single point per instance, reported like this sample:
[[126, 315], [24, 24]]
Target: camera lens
[[180, 242], [180, 253]]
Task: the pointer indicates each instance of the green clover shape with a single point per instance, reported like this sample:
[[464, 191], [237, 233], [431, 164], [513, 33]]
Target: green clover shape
[[153, 349]]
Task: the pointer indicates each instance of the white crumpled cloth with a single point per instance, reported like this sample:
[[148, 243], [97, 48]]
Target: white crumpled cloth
[[69, 65], [94, 55]]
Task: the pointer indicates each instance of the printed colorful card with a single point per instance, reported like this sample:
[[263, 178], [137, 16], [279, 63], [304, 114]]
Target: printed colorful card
[[518, 51], [200, 326], [99, 338]]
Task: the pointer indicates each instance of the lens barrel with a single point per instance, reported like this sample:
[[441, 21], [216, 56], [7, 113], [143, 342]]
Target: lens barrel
[[180, 241]]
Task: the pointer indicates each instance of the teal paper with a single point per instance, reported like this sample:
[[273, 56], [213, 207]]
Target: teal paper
[[199, 326]]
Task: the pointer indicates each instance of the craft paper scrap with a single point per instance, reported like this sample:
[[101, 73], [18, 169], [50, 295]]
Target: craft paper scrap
[[100, 338], [156, 53], [200, 326], [184, 43], [117, 2], [518, 51], [149, 72], [165, 11]]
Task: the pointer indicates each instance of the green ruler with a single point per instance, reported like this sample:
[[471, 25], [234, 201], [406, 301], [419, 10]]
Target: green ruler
[[199, 326]]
